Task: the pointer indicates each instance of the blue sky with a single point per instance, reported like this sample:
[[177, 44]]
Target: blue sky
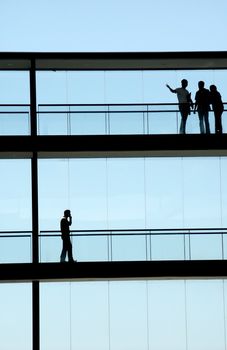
[[112, 25]]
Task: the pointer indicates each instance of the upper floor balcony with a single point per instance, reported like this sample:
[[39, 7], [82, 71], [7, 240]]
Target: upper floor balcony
[[103, 93]]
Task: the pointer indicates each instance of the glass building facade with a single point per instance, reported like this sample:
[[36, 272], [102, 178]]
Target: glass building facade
[[71, 136]]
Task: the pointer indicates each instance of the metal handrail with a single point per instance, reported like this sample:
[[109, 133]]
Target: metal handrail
[[135, 232], [119, 232], [111, 104]]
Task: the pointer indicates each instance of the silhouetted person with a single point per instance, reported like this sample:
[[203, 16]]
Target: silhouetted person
[[66, 221], [218, 108], [202, 105], [185, 101]]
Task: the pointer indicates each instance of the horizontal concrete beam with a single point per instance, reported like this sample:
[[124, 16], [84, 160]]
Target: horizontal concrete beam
[[113, 146], [99, 271], [113, 60]]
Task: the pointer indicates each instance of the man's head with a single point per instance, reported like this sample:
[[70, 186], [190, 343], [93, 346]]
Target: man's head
[[201, 84], [213, 88], [67, 213], [184, 83]]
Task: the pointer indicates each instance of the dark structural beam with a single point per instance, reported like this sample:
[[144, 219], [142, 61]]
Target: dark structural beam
[[113, 145], [113, 60], [122, 270]]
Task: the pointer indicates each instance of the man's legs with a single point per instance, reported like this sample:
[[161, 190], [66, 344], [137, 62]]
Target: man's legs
[[206, 119], [201, 125], [218, 123], [70, 254], [184, 111], [63, 252], [69, 249], [183, 123]]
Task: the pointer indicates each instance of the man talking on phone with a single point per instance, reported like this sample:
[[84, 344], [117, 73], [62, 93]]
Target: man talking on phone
[[66, 221]]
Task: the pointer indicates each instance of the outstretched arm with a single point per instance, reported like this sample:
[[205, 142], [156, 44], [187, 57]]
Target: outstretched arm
[[172, 90]]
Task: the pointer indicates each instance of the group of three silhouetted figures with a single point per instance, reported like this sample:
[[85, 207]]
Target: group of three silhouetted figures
[[203, 99]]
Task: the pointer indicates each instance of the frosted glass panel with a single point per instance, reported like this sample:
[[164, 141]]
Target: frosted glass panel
[[132, 315], [166, 310], [15, 316], [126, 193], [205, 315], [164, 200], [128, 316], [201, 192]]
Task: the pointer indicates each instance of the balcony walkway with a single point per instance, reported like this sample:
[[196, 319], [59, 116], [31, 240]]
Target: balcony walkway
[[99, 271]]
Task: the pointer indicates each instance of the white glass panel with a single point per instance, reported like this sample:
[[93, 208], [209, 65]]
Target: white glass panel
[[78, 184], [124, 87], [15, 199], [168, 247], [128, 316], [15, 316], [55, 311], [126, 201], [164, 202], [204, 247], [166, 310], [205, 315], [201, 192], [14, 86], [90, 321], [129, 248]]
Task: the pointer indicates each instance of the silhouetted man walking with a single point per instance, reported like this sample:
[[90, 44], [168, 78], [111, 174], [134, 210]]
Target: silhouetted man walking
[[185, 101], [66, 221]]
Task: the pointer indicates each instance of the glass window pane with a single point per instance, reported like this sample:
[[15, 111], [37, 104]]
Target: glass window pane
[[126, 193], [201, 192], [15, 208], [164, 200], [166, 315], [205, 315], [16, 316]]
